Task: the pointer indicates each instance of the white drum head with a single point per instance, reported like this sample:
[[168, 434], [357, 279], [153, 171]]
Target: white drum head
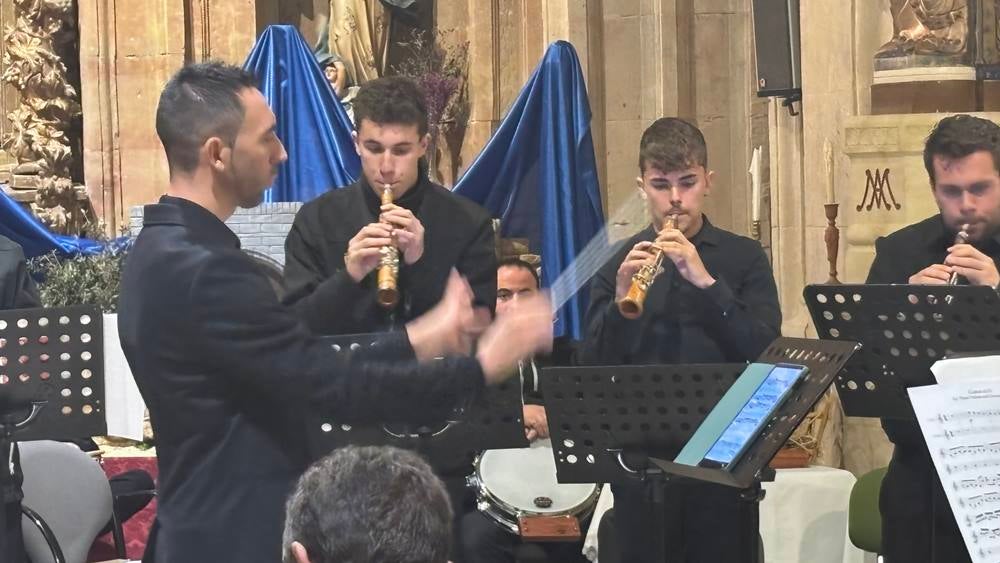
[[526, 480]]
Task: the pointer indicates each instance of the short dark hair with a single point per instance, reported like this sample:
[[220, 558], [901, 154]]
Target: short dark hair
[[672, 144], [515, 262], [959, 136], [391, 100], [371, 505], [199, 102]]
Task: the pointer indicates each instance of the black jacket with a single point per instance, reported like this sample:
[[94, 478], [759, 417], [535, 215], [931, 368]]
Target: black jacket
[[457, 234], [732, 321], [17, 289], [226, 371]]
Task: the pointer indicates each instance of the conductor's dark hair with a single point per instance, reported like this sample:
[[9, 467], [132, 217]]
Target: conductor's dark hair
[[369, 505], [199, 102], [672, 144], [959, 136], [392, 100]]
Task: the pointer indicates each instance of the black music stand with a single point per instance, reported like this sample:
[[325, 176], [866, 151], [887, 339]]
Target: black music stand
[[904, 330], [51, 381], [610, 424], [493, 421]]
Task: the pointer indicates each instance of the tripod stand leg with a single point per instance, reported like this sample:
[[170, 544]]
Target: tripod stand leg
[[750, 523]]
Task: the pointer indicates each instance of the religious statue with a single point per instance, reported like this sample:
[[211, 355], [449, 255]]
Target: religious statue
[[927, 33], [335, 70], [40, 139]]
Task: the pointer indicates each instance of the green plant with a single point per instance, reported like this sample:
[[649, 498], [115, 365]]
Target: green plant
[[86, 279], [439, 65]]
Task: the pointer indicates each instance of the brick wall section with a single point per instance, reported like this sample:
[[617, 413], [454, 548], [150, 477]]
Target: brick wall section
[[261, 229]]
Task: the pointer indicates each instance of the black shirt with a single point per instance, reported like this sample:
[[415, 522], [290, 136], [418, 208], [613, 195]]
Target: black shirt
[[227, 373], [733, 320], [458, 233]]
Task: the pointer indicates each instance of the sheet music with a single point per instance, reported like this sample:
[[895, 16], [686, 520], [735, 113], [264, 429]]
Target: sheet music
[[125, 408], [975, 368], [961, 424]]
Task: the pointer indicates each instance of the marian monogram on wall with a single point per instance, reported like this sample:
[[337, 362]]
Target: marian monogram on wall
[[878, 192]]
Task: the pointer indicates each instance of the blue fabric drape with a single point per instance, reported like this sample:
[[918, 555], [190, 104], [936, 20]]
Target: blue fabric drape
[[312, 123], [538, 173], [22, 227]]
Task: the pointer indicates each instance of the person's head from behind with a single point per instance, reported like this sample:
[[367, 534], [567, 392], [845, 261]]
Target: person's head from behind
[[217, 129], [515, 279], [674, 177], [962, 158], [391, 136], [368, 505]]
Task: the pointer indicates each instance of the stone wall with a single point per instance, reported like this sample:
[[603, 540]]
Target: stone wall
[[128, 50], [262, 229]]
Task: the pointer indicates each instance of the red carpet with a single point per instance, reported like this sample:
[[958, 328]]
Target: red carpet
[[137, 527]]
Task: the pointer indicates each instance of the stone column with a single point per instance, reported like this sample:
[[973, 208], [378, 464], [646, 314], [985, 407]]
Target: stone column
[[128, 50]]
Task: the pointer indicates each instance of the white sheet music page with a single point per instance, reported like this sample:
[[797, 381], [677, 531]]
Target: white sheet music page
[[961, 424], [967, 368]]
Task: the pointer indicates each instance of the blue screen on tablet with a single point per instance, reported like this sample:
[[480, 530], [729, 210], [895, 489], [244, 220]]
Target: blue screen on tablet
[[754, 414]]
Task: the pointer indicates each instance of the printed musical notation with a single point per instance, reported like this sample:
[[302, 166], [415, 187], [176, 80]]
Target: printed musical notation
[[961, 424]]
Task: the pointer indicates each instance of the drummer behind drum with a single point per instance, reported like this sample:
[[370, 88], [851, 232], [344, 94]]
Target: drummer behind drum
[[483, 540]]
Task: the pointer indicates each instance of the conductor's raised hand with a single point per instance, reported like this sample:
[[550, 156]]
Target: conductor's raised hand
[[522, 331], [450, 328]]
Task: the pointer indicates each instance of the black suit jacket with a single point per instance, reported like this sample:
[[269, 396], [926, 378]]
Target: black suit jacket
[[17, 289], [226, 371], [458, 233]]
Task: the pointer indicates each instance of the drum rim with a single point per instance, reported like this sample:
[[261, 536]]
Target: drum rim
[[510, 514]]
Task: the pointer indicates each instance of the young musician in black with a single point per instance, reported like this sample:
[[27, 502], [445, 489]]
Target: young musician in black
[[714, 301], [962, 158]]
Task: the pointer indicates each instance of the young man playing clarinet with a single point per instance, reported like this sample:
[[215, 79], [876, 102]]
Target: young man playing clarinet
[[335, 244], [714, 300]]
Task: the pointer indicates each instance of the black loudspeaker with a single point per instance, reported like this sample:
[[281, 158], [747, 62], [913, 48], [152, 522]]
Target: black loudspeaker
[[776, 38]]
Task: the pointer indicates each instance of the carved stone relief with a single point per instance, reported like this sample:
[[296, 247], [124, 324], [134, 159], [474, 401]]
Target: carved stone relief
[[33, 63]]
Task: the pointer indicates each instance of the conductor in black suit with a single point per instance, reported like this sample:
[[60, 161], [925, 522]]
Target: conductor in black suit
[[226, 370]]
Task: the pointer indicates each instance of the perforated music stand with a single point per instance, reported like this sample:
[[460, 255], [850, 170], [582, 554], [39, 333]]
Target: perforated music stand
[[51, 380], [904, 330], [825, 359], [599, 415], [494, 420], [620, 423]]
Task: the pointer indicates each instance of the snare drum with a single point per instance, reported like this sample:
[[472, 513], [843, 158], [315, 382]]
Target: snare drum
[[516, 483]]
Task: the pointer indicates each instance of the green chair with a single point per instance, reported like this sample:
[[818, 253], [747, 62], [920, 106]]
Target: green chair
[[864, 524]]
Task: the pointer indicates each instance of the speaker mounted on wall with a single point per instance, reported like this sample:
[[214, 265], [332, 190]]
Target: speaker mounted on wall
[[776, 42]]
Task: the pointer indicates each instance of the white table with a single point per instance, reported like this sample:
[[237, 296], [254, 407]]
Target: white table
[[803, 518]]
